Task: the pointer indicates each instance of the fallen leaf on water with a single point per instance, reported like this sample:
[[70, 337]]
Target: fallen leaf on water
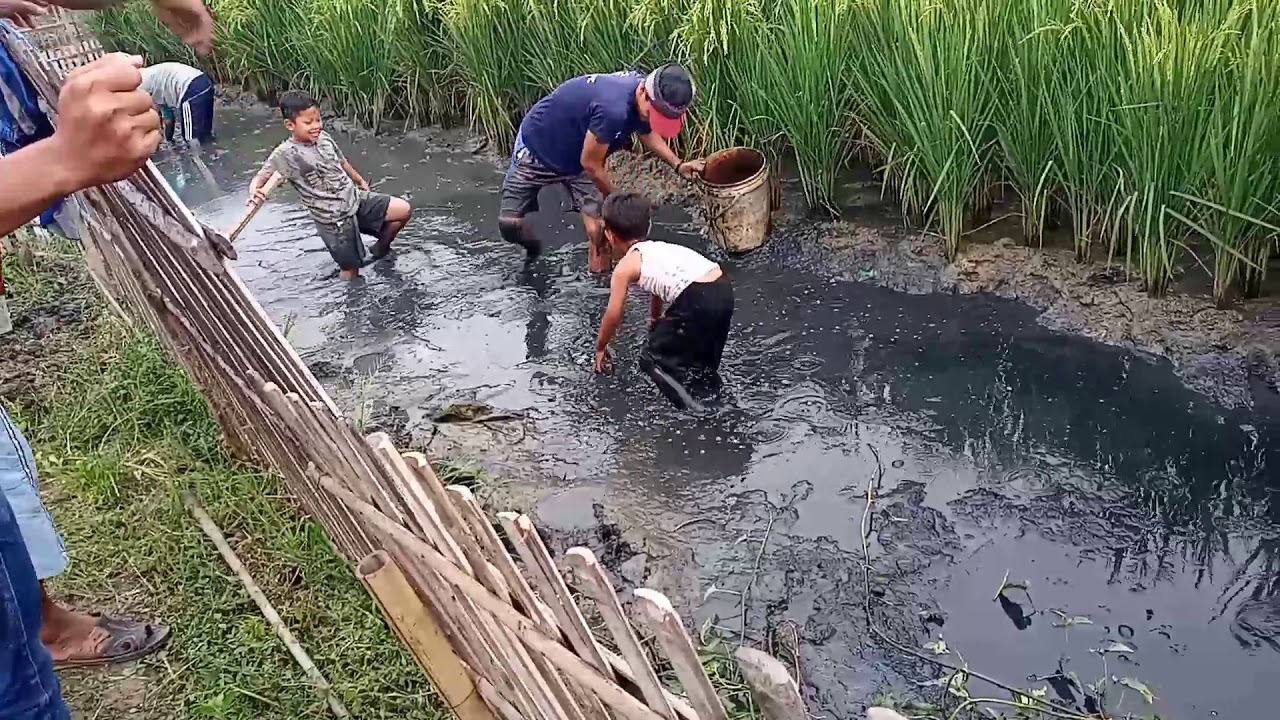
[[1116, 647], [1141, 687], [1065, 621]]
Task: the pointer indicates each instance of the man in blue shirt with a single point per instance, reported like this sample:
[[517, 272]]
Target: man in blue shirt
[[567, 136]]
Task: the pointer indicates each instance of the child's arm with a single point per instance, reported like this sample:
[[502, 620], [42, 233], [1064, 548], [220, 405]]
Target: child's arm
[[655, 309], [627, 273], [355, 176]]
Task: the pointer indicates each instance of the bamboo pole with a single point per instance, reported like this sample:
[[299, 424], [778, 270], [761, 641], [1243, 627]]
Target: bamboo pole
[[773, 688], [268, 611], [273, 182], [560, 656], [418, 630]]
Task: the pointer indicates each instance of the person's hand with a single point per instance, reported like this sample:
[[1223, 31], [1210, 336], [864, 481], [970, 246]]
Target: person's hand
[[363, 184], [691, 169], [22, 12], [107, 126], [189, 20], [257, 196], [604, 360]]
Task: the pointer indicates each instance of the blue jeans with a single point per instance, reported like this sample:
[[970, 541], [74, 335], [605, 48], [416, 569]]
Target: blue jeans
[[21, 485], [29, 689]]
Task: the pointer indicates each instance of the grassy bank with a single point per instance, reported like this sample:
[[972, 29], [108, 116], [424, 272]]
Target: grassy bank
[[1147, 128], [119, 431]]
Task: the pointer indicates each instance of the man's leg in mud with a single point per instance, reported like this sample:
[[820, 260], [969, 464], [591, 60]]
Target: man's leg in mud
[[516, 231], [397, 216]]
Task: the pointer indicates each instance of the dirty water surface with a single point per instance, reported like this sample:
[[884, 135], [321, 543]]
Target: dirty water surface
[[1143, 520]]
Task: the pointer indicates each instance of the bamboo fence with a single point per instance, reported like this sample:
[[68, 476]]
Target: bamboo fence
[[500, 636]]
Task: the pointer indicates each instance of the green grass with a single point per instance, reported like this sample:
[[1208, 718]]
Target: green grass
[[118, 434], [1149, 127]]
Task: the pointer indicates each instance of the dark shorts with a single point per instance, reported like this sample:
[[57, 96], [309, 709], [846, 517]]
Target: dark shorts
[[343, 240], [526, 177], [197, 110], [687, 342]]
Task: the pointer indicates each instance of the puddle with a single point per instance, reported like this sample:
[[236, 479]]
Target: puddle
[[1091, 473]]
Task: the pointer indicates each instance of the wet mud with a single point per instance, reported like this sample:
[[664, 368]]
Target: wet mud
[[998, 444]]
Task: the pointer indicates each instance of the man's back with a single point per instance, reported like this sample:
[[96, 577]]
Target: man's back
[[168, 82], [556, 127]]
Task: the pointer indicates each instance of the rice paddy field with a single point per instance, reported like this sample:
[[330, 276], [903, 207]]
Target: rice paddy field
[[1146, 129]]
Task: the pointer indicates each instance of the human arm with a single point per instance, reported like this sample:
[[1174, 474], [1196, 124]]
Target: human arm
[[658, 146], [655, 309], [355, 176], [594, 154], [188, 19], [107, 129], [624, 276]]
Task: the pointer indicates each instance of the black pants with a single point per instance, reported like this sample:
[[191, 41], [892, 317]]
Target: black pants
[[687, 342]]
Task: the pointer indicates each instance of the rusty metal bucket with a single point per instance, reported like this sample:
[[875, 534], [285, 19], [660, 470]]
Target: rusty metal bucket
[[736, 196]]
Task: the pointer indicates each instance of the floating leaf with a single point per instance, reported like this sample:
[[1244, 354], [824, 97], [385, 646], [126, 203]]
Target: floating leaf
[[1141, 687], [1116, 647], [939, 647], [1065, 621]]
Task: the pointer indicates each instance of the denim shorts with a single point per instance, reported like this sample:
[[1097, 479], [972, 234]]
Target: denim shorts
[[29, 688], [21, 486]]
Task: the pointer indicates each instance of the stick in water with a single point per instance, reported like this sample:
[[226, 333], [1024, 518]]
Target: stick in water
[[272, 183], [268, 611]]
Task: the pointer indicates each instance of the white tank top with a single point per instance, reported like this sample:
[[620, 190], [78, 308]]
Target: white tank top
[[666, 269]]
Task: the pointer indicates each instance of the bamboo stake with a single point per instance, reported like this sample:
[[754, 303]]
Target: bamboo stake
[[419, 632], [273, 182], [558, 654], [773, 688], [268, 611]]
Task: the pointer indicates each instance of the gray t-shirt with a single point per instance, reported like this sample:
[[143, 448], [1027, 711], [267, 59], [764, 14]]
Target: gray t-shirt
[[315, 171], [166, 83]]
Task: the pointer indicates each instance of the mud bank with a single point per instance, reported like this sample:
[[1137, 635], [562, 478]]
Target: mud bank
[[1231, 355]]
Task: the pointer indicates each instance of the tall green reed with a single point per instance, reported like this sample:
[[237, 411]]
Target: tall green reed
[[797, 83], [487, 38], [927, 102]]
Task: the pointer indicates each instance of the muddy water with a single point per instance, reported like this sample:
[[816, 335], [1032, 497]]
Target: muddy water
[[1136, 509]]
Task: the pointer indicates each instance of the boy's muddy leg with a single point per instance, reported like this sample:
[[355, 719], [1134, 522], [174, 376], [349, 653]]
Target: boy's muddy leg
[[515, 230], [599, 255], [398, 213]]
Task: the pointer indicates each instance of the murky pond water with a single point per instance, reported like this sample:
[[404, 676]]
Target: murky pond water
[[1137, 512]]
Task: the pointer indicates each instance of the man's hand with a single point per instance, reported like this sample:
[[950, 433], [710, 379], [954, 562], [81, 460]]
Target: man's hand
[[691, 169], [22, 12], [189, 20], [107, 126], [604, 360], [257, 196], [362, 184]]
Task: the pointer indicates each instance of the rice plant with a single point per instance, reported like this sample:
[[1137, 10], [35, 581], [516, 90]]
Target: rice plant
[[797, 83], [1028, 61], [1149, 124], [488, 44], [927, 102]]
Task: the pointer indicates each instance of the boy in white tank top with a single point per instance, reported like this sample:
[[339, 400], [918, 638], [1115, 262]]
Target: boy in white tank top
[[686, 341]]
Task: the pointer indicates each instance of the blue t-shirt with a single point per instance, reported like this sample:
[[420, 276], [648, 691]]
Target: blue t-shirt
[[605, 104]]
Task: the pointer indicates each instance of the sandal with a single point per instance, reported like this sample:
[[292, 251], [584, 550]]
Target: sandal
[[126, 640]]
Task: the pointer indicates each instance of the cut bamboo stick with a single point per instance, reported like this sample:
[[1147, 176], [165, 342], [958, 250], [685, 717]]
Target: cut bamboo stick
[[272, 183], [773, 688], [661, 620], [268, 611], [559, 655], [419, 632]]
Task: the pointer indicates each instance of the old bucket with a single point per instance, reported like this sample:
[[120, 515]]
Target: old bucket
[[735, 191]]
